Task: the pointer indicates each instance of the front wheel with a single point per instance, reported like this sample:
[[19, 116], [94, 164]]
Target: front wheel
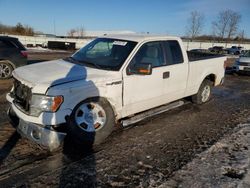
[[91, 121], [204, 93]]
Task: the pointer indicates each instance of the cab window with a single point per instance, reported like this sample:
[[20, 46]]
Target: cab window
[[173, 52]]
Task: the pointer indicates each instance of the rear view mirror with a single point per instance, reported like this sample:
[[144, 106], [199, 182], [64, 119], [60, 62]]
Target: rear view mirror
[[141, 68]]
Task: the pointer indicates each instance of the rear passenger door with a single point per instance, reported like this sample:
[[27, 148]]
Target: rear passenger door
[[176, 71]]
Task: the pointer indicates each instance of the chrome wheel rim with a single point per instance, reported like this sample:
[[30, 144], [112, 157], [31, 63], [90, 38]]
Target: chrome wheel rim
[[5, 70], [205, 94], [90, 117]]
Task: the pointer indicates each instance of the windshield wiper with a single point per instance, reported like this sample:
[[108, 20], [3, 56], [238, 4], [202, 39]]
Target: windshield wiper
[[92, 64], [71, 59]]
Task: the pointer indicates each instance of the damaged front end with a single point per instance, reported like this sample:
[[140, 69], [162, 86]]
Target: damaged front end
[[43, 135]]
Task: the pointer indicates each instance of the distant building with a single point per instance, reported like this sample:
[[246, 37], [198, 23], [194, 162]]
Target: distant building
[[44, 35], [101, 33]]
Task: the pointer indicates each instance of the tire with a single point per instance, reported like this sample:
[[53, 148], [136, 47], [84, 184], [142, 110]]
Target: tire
[[204, 93], [237, 53], [94, 133], [5, 70]]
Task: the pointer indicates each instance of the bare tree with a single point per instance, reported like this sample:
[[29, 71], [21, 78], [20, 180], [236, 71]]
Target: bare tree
[[241, 36], [226, 24], [19, 29], [71, 32], [29, 31], [81, 31], [195, 24], [233, 24], [2, 28], [78, 32], [220, 25]]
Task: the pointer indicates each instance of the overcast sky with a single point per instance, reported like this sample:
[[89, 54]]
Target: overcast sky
[[154, 16]]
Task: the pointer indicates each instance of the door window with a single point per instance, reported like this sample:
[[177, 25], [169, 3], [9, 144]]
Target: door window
[[151, 53]]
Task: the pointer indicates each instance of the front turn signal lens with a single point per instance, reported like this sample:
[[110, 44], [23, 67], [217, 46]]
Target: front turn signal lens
[[57, 101]]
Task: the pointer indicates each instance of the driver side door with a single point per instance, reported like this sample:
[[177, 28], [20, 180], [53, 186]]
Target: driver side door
[[142, 92]]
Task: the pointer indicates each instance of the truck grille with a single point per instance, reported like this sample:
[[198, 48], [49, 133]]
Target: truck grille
[[244, 64], [22, 95]]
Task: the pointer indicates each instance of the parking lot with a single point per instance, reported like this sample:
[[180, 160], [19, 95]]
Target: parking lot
[[145, 154]]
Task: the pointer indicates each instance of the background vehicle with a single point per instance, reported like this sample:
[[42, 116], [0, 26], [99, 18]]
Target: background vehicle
[[235, 50], [242, 65], [200, 50], [12, 55], [217, 49], [112, 79]]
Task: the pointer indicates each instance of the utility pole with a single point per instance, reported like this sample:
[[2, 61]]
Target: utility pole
[[54, 22]]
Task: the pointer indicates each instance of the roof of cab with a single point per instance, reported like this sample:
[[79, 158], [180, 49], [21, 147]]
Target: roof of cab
[[140, 37]]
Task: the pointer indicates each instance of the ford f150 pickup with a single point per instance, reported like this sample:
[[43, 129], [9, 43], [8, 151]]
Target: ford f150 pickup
[[109, 81]]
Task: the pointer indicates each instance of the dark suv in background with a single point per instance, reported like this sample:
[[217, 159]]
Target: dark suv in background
[[12, 55]]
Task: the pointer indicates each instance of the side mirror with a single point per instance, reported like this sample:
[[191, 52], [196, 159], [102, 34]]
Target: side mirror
[[140, 69]]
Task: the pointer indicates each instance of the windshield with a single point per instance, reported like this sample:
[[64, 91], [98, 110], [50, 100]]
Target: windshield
[[246, 54], [104, 53]]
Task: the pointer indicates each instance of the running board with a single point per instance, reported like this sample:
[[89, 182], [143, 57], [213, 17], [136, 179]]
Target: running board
[[152, 112]]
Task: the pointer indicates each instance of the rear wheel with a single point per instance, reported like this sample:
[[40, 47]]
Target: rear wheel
[[5, 70], [91, 122], [204, 93]]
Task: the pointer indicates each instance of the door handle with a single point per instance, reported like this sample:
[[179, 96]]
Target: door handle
[[166, 75]]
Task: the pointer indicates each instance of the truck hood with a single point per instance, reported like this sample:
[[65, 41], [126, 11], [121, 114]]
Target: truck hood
[[41, 76]]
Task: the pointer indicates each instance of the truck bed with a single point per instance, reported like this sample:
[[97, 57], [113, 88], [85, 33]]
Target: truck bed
[[196, 56]]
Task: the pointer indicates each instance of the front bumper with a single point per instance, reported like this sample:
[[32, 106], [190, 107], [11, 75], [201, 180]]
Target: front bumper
[[39, 134], [241, 68]]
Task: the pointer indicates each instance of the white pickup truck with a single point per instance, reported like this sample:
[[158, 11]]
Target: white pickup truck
[[111, 80]]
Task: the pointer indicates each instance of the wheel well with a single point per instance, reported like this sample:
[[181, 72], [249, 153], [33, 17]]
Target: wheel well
[[108, 101], [211, 78]]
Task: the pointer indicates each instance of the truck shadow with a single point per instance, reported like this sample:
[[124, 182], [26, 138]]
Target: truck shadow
[[79, 166], [81, 171], [8, 146]]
